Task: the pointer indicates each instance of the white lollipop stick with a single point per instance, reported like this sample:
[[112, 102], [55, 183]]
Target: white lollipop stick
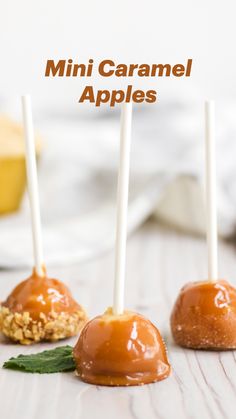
[[211, 205], [32, 182], [122, 204]]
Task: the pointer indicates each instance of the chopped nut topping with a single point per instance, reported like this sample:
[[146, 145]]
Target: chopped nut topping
[[21, 328]]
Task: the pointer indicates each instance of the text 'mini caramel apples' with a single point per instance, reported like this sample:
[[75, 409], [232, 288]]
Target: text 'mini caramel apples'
[[120, 347], [204, 315], [39, 308]]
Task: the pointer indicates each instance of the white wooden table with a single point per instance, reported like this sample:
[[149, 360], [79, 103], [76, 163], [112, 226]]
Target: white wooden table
[[202, 384]]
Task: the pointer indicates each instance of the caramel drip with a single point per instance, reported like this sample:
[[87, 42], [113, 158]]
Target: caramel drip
[[37, 295], [209, 298]]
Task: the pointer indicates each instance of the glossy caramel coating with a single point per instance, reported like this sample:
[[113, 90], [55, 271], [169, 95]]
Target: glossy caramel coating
[[37, 295], [204, 316], [123, 350], [40, 309]]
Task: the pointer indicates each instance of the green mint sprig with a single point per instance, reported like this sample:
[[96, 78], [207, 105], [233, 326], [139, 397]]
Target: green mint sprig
[[47, 362]]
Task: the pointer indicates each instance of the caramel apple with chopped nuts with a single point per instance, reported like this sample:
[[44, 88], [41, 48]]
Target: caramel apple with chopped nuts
[[40, 308]]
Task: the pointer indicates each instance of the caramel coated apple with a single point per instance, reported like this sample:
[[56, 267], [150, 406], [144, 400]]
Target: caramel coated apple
[[40, 308], [123, 350], [204, 316]]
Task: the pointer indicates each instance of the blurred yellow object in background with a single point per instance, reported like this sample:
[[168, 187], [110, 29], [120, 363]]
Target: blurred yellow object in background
[[12, 165]]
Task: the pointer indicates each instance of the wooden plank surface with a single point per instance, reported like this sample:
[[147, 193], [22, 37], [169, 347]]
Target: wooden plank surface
[[160, 261]]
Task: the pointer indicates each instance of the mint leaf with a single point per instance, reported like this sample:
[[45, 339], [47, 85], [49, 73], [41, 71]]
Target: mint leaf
[[46, 362]]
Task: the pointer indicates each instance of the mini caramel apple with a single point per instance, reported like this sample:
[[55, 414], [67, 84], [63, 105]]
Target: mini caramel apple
[[204, 315], [39, 308], [121, 350]]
